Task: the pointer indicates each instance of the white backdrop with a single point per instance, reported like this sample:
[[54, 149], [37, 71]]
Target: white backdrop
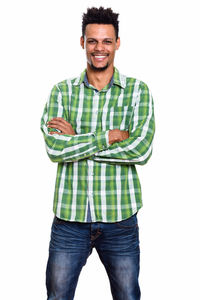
[[40, 47]]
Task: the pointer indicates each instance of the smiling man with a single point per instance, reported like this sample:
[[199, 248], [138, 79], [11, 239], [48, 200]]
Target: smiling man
[[97, 127], [101, 43]]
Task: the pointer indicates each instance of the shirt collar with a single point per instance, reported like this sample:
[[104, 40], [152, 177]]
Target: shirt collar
[[117, 79]]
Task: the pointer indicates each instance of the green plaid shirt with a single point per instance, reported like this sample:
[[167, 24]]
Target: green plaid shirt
[[90, 170]]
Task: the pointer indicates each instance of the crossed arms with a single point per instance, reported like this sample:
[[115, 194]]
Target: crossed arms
[[112, 146], [114, 135]]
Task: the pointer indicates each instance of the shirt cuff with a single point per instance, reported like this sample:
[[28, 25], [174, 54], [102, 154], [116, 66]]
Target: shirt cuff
[[102, 140]]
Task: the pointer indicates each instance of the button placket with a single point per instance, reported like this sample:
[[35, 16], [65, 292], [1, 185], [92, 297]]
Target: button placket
[[95, 111], [90, 186]]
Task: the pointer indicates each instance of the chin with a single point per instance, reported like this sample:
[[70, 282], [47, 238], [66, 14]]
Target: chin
[[103, 68]]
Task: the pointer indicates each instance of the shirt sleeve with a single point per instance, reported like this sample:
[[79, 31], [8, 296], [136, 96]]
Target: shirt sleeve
[[68, 148], [137, 149]]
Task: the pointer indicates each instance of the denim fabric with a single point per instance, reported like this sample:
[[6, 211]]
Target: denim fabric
[[117, 245]]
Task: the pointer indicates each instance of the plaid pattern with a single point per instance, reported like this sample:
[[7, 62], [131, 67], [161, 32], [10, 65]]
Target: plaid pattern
[[90, 170]]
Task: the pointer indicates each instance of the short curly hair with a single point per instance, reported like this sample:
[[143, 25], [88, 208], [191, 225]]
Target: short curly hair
[[100, 16]]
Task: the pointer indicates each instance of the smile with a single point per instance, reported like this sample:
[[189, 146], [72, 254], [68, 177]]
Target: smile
[[100, 57]]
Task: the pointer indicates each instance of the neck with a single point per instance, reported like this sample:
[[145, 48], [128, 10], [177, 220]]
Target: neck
[[99, 79]]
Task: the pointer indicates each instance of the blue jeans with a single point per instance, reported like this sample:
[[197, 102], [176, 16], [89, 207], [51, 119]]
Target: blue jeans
[[117, 245]]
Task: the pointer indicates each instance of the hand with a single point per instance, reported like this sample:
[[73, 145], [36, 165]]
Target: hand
[[117, 135], [62, 125]]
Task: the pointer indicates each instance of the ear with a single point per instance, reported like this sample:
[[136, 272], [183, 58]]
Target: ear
[[118, 43], [82, 41]]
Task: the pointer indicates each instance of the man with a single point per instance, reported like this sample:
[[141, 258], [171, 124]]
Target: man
[[97, 127]]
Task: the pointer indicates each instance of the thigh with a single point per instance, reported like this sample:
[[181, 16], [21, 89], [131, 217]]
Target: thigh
[[68, 251], [120, 238], [119, 252]]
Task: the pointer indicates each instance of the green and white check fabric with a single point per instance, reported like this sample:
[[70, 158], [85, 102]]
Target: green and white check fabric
[[90, 170]]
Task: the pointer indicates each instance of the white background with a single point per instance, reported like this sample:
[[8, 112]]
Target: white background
[[40, 47]]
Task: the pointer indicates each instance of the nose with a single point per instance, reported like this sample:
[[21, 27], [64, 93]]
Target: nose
[[99, 46]]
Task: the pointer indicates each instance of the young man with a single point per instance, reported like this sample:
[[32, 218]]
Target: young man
[[97, 127]]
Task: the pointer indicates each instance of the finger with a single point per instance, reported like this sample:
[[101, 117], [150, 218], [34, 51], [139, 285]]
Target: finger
[[58, 119], [55, 132], [58, 123], [53, 121], [59, 127]]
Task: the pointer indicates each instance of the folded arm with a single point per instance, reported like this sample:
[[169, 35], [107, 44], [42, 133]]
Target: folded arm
[[68, 147], [137, 149]]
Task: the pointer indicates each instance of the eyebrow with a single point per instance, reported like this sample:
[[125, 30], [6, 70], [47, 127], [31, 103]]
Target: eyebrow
[[91, 38]]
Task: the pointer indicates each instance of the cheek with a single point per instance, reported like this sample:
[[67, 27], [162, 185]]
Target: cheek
[[112, 50], [112, 53], [89, 49], [87, 52]]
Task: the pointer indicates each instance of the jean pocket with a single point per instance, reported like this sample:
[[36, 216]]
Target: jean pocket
[[128, 223]]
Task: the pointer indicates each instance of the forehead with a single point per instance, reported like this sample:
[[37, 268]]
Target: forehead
[[100, 31]]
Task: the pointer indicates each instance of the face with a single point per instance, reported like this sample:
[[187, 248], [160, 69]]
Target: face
[[100, 45]]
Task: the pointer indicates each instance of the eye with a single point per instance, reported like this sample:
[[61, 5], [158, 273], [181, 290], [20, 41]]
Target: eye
[[108, 42], [91, 42]]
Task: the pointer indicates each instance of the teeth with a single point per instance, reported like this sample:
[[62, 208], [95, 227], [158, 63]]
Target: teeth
[[100, 56]]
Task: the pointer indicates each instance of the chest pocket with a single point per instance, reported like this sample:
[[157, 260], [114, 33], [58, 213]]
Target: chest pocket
[[119, 117]]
